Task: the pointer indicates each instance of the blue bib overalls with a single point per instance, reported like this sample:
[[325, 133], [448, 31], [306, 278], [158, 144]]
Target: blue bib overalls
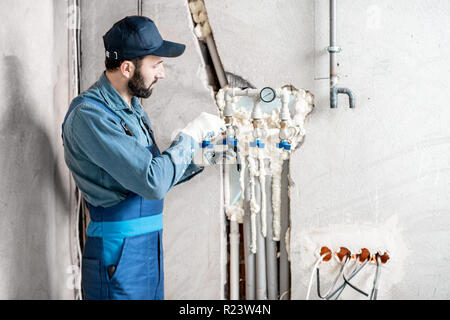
[[123, 254]]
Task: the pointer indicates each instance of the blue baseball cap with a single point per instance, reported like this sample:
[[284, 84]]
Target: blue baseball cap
[[138, 36]]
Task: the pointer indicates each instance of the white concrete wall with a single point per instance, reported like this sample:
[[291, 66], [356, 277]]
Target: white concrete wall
[[34, 190], [374, 176]]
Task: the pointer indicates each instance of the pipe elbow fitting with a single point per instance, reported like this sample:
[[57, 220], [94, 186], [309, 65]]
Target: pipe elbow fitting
[[335, 91]]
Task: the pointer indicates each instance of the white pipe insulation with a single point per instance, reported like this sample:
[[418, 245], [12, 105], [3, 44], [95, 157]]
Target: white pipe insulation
[[276, 126], [303, 105]]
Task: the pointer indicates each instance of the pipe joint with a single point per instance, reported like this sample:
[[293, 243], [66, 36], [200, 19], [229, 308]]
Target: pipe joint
[[335, 91]]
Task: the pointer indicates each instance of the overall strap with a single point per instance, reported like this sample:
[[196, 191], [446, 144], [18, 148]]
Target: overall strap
[[155, 150]]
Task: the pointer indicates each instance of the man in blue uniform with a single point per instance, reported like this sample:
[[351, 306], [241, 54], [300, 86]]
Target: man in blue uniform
[[111, 152]]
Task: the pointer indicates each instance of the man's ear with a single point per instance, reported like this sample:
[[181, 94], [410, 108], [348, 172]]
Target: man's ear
[[127, 69]]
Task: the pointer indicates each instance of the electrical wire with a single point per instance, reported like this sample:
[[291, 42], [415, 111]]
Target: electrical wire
[[75, 72], [316, 265], [350, 277], [341, 288], [347, 281], [78, 278], [374, 293], [334, 282]]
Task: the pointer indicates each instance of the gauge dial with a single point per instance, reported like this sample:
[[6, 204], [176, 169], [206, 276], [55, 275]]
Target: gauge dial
[[267, 94]]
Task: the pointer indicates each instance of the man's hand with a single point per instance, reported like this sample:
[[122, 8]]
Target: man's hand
[[205, 127]]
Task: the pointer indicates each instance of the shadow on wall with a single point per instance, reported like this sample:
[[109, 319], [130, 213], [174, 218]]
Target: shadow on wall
[[31, 186]]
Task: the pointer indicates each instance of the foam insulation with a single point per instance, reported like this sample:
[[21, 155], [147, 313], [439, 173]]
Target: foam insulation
[[242, 122], [287, 240], [202, 28]]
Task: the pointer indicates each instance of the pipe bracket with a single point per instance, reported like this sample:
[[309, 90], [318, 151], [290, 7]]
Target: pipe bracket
[[334, 49]]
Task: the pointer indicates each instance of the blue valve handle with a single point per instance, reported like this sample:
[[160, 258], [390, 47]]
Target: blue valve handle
[[283, 144], [207, 144], [257, 143], [230, 141]]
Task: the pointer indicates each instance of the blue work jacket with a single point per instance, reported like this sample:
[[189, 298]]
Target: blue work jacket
[[107, 163]]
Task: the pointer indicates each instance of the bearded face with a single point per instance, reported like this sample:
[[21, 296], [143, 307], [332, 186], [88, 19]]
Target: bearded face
[[137, 87]]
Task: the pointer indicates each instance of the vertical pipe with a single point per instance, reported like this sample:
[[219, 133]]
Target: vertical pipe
[[216, 61], [139, 7], [284, 262], [249, 257], [333, 32], [234, 260], [234, 227], [333, 49], [261, 282], [271, 246], [233, 238], [226, 202]]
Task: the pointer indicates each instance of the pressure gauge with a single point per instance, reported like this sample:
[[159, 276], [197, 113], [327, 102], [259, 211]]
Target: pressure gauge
[[267, 94]]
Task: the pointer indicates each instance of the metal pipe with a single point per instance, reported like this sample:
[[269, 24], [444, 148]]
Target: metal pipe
[[261, 285], [333, 49], [234, 260], [271, 246], [249, 257], [334, 97], [234, 243], [284, 262], [261, 267], [234, 235], [139, 7], [216, 61], [234, 225]]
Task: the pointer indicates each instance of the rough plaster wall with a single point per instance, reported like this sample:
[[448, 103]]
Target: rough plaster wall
[[194, 220], [388, 158], [96, 18], [382, 167], [34, 195], [193, 231], [268, 43]]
